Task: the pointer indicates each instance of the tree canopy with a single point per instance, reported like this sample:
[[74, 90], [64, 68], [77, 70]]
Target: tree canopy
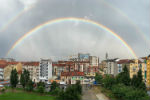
[[14, 78]]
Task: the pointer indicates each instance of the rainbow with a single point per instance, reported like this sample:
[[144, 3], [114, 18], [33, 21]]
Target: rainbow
[[142, 34], [16, 17], [59, 20], [21, 13]]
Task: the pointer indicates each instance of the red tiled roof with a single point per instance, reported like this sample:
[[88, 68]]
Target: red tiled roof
[[3, 65], [123, 61], [127, 61], [12, 63], [59, 65], [72, 73], [31, 63], [3, 62]]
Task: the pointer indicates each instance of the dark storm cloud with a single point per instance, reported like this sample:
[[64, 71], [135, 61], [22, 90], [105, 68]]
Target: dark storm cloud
[[97, 10]]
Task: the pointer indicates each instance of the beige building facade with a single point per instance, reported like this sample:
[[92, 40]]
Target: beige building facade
[[33, 68]]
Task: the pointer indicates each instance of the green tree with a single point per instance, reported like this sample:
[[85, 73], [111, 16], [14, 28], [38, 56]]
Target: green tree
[[119, 91], [62, 95], [22, 80], [137, 81], [108, 81], [142, 86], [124, 77], [98, 78], [139, 76], [136, 94], [54, 85], [41, 87], [14, 78], [123, 92], [30, 85], [25, 77], [134, 81], [78, 87], [71, 93]]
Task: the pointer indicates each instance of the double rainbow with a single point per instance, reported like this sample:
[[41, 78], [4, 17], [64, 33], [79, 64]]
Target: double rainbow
[[59, 20]]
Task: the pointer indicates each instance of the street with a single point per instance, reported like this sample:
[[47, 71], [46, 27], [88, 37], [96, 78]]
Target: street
[[92, 94]]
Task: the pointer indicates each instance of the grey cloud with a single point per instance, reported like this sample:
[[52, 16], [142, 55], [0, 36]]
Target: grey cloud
[[96, 10]]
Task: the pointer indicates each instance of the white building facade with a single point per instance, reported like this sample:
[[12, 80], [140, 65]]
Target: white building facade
[[94, 61], [45, 70], [1, 73], [111, 67]]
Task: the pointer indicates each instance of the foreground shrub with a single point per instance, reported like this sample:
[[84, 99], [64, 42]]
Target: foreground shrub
[[136, 95], [41, 87], [78, 87], [54, 85], [108, 82], [119, 90], [73, 92], [56, 91], [30, 86], [123, 92], [98, 78]]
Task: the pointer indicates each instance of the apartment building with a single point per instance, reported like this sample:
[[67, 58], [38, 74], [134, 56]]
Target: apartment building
[[62, 66], [133, 66], [110, 67], [148, 72], [9, 67], [3, 64], [33, 68], [45, 70], [2, 71]]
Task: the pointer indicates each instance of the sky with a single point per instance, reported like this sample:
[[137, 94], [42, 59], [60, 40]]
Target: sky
[[130, 19]]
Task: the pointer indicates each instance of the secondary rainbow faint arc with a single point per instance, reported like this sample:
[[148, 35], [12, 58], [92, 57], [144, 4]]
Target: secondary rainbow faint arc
[[13, 19], [109, 5], [129, 20], [50, 22]]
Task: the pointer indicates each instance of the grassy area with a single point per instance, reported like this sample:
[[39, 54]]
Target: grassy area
[[21, 95]]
